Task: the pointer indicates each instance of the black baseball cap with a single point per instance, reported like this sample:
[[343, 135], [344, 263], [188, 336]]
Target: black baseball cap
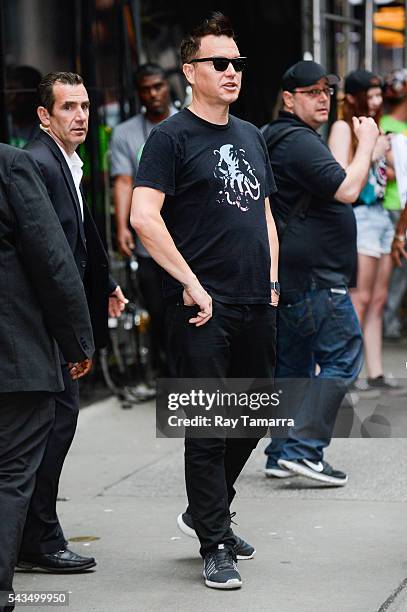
[[361, 80], [306, 73]]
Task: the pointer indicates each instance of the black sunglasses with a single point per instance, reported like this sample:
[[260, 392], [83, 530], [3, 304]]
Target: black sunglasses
[[222, 63]]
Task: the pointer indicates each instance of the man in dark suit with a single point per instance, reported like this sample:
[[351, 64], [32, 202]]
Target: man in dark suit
[[41, 300], [64, 113]]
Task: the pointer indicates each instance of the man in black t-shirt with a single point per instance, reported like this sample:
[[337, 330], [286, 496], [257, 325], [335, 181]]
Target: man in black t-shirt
[[201, 209], [317, 322]]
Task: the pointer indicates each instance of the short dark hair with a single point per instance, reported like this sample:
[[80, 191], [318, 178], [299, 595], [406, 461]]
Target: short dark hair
[[46, 86], [217, 25], [146, 70]]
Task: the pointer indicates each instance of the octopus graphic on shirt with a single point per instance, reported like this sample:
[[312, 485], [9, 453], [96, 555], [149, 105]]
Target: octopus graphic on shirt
[[240, 186]]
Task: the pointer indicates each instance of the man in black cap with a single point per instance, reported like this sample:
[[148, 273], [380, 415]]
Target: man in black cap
[[317, 322]]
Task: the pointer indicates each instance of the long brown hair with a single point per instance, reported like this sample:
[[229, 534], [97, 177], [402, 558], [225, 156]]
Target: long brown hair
[[358, 108]]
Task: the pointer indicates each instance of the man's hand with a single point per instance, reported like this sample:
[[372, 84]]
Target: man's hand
[[398, 250], [117, 302], [194, 293], [80, 368], [366, 131], [274, 298], [125, 242]]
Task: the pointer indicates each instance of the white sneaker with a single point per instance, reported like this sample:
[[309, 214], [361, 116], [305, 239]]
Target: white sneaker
[[278, 472]]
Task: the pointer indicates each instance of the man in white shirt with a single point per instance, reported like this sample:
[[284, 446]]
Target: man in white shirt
[[126, 147], [64, 114]]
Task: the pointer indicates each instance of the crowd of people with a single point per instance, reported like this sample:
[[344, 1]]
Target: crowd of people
[[270, 244]]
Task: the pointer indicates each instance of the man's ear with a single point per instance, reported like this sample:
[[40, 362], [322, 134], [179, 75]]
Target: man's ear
[[43, 115], [288, 100], [351, 98], [189, 72]]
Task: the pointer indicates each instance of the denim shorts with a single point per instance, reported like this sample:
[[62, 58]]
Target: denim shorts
[[375, 230]]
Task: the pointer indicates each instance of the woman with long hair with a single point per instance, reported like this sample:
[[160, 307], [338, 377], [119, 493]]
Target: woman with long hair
[[363, 97]]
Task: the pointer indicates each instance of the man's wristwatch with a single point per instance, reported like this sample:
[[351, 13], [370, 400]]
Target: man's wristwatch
[[275, 286]]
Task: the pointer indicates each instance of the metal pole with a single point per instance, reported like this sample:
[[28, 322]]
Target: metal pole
[[122, 86], [306, 34], [88, 63], [127, 74], [136, 10], [368, 34], [344, 68], [316, 18]]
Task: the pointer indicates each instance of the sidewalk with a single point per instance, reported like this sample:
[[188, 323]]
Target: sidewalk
[[331, 550]]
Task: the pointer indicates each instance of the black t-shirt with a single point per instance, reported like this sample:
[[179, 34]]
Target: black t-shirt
[[322, 246], [215, 179]]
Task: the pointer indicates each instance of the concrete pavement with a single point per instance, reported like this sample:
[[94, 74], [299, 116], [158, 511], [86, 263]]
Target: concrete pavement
[[331, 550]]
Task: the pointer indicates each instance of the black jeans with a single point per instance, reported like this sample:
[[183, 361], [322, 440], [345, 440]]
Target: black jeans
[[25, 422], [237, 342], [43, 532]]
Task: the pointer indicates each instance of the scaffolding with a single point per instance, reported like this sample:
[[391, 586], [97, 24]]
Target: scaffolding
[[341, 34]]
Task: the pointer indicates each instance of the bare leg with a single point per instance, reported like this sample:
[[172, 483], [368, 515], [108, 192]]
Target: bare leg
[[373, 320], [362, 294]]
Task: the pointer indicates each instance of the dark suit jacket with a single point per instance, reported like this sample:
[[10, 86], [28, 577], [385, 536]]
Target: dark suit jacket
[[83, 237], [41, 296]]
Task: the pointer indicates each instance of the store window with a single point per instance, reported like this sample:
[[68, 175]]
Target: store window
[[350, 34], [389, 28]]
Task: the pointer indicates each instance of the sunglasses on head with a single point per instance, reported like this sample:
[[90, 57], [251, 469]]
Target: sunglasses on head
[[222, 63]]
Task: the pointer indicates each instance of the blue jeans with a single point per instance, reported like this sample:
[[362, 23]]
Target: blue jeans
[[320, 327]]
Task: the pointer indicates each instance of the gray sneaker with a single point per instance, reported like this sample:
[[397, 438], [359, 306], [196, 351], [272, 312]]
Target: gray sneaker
[[243, 550], [364, 390], [220, 569]]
